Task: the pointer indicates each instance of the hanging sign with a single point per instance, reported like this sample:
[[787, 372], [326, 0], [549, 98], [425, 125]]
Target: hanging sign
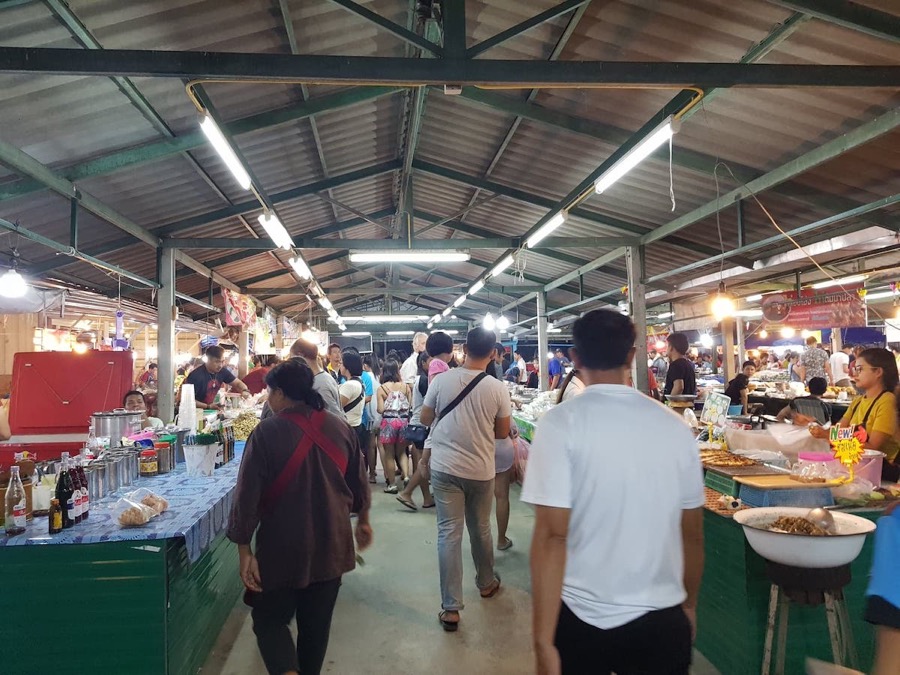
[[656, 337], [812, 309], [263, 340], [239, 309], [290, 330]]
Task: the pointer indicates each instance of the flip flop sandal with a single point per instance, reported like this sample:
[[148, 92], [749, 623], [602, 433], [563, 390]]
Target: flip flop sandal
[[507, 546], [491, 590], [449, 626], [429, 506], [408, 503]]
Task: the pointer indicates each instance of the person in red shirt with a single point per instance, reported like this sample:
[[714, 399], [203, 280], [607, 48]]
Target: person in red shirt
[[256, 378]]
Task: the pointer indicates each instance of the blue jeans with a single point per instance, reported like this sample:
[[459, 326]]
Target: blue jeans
[[459, 501]]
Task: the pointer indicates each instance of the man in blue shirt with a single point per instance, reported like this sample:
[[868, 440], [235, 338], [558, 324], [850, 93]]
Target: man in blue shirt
[[556, 373]]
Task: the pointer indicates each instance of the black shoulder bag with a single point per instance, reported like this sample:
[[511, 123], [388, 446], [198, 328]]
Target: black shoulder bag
[[355, 402], [459, 399]]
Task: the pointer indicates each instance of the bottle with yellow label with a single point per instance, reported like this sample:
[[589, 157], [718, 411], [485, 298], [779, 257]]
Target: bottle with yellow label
[[56, 518]]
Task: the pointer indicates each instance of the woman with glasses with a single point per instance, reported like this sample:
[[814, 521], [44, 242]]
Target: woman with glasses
[[875, 373]]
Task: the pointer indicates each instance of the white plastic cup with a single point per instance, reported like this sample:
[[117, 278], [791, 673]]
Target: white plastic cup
[[200, 459]]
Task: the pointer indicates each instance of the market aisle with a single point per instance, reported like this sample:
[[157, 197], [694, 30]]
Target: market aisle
[[386, 618]]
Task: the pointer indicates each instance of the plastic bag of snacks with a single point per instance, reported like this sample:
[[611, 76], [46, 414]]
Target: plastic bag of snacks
[[148, 498], [130, 513], [244, 424]]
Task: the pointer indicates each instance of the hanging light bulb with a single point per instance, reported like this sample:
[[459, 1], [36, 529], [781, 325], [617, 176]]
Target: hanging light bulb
[[12, 284], [706, 341], [722, 306], [763, 334], [502, 322], [787, 332], [489, 323]]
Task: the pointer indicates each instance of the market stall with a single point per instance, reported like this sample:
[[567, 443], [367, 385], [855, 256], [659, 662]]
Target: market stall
[[149, 599], [735, 606]]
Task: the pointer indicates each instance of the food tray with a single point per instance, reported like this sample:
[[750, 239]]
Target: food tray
[[808, 497], [783, 481]]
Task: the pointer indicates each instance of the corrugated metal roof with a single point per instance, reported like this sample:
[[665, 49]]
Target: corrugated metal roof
[[63, 121]]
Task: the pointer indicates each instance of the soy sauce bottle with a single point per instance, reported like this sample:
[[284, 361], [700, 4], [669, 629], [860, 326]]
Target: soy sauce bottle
[[78, 496], [65, 493], [56, 517]]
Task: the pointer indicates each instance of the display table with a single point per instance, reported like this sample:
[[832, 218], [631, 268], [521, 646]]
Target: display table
[[734, 599], [774, 405], [101, 599]]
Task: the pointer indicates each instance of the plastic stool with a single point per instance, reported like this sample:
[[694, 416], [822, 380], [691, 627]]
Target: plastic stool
[[808, 587]]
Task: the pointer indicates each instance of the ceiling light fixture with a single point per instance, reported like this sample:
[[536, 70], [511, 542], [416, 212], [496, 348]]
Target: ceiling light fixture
[[436, 318], [502, 322], [325, 303], [477, 286], [446, 311], [12, 284], [448, 332], [387, 318], [300, 267], [489, 322], [722, 306], [401, 332], [401, 256], [547, 228], [706, 341], [665, 315], [460, 300], [502, 265], [215, 136], [656, 138], [361, 333], [276, 231], [753, 298], [853, 279]]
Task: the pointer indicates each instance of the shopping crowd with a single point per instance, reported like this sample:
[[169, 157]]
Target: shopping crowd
[[612, 571]]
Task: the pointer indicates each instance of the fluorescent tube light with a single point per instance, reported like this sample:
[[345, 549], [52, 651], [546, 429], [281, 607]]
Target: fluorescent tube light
[[460, 300], [387, 318], [448, 332], [325, 303], [502, 265], [401, 332], [436, 318], [477, 286], [361, 333], [637, 154], [215, 136], [554, 330], [665, 315], [854, 279], [753, 298], [547, 228], [401, 256], [749, 313], [300, 267], [871, 297], [446, 311], [276, 231]]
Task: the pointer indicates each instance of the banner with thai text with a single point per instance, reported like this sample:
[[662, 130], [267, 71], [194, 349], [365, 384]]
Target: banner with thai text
[[815, 309]]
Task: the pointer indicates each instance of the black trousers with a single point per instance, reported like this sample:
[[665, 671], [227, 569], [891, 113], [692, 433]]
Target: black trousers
[[272, 614], [658, 643], [362, 435]]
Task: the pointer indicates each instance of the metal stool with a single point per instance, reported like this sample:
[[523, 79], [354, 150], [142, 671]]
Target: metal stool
[[814, 587]]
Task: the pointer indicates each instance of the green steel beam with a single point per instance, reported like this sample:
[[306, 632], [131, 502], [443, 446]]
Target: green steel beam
[[824, 153], [345, 225], [402, 245], [265, 277], [849, 15], [391, 27], [524, 26], [770, 242], [544, 202], [453, 14], [166, 148], [511, 291], [251, 206], [237, 66]]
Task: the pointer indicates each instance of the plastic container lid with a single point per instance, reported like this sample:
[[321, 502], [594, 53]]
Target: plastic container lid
[[162, 444], [148, 453]]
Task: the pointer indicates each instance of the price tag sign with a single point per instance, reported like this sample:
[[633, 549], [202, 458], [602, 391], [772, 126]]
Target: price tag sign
[[847, 444], [715, 409]]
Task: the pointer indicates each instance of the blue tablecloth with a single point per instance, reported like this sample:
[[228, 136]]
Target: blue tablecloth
[[198, 512]]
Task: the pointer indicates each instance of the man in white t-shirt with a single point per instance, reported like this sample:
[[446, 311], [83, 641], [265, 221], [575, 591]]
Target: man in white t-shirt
[[461, 465], [626, 563], [840, 366], [523, 368], [409, 370]]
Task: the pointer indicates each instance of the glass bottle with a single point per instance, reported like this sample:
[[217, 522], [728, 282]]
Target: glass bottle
[[77, 499], [85, 496], [65, 493], [15, 504], [56, 517]]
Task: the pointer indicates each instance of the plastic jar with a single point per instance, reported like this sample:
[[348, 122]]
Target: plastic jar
[[149, 463], [166, 456]]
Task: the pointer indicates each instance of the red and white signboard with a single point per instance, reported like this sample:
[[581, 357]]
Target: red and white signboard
[[239, 309], [815, 309]]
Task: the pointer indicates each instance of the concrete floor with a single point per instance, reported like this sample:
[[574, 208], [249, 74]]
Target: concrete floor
[[386, 622]]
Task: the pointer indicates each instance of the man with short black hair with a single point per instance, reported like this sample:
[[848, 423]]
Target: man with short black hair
[[466, 410], [211, 376], [334, 362], [322, 381], [680, 378], [615, 576]]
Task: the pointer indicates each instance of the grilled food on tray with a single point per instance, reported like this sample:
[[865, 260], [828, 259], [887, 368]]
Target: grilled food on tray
[[722, 459]]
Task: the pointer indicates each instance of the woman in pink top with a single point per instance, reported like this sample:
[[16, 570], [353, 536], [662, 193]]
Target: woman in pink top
[[439, 348]]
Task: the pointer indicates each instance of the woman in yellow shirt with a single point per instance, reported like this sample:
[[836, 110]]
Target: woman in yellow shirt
[[875, 372]]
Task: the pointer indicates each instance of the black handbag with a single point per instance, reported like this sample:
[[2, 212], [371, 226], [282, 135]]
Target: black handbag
[[416, 433]]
